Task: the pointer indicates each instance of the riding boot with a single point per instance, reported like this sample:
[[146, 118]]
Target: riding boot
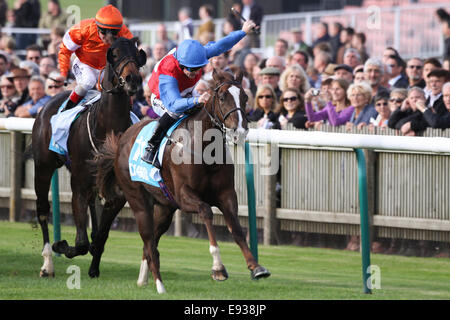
[[74, 98], [164, 123], [69, 105]]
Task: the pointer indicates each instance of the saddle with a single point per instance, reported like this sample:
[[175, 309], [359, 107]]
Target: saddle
[[62, 121], [140, 170]]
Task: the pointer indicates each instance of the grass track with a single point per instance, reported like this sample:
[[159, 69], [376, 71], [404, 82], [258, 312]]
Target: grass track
[[297, 273]]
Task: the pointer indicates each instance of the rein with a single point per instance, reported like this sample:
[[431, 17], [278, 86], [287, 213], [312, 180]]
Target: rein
[[116, 89], [121, 80]]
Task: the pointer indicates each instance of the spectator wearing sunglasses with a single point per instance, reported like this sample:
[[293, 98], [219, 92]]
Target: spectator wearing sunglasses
[[10, 96], [292, 109], [174, 78], [414, 68], [34, 53], [89, 40], [264, 112], [398, 79], [384, 112], [54, 83], [396, 98]]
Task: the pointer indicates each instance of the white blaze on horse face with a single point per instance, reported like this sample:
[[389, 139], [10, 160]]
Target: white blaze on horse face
[[235, 91], [240, 132], [143, 274], [217, 261]]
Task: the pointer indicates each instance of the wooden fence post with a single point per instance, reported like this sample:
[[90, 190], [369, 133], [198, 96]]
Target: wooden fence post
[[270, 219], [16, 176]]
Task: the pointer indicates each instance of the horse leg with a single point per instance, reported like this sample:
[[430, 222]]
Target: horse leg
[[141, 202], [109, 213], [93, 212], [79, 208], [228, 205], [162, 219], [42, 181], [191, 202]]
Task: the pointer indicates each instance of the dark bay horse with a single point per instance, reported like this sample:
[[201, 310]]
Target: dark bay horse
[[195, 186], [121, 80]]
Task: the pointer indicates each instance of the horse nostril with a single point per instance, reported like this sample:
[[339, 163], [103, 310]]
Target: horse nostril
[[128, 78]]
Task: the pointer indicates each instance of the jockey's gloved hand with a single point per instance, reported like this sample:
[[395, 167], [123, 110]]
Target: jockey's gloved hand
[[193, 110]]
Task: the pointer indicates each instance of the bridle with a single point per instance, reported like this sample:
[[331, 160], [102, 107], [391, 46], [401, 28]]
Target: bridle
[[120, 80], [214, 117]]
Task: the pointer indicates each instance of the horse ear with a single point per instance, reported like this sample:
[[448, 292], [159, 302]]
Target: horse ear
[[135, 40], [216, 76], [110, 56], [238, 75], [141, 58]]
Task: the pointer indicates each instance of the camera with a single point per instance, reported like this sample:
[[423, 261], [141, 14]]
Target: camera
[[315, 92], [11, 106]]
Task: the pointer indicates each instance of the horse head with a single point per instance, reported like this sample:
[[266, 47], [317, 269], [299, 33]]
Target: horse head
[[228, 103], [124, 60]]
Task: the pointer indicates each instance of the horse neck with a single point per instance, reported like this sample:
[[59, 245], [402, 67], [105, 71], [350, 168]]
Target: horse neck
[[112, 112]]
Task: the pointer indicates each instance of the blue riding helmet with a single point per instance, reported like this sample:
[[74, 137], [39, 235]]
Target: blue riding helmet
[[191, 53]]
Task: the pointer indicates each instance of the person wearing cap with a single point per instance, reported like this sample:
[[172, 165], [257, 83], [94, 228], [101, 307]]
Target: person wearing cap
[[271, 75], [20, 78], [343, 71], [174, 78], [90, 40]]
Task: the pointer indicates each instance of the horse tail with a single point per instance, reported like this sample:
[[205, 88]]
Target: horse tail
[[104, 164]]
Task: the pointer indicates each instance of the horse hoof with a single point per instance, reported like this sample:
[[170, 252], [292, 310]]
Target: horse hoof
[[259, 273], [60, 246], [94, 273], [46, 274], [160, 287], [219, 275]]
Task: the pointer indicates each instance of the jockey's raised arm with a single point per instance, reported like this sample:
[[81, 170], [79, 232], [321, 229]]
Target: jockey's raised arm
[[175, 77]]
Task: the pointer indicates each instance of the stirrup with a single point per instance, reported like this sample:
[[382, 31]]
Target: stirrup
[[151, 157]]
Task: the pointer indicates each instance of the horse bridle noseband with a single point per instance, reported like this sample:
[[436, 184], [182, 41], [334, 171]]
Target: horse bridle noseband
[[118, 75], [214, 118]]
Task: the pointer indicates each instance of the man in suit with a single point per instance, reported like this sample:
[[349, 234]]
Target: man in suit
[[436, 80], [398, 79], [253, 11]]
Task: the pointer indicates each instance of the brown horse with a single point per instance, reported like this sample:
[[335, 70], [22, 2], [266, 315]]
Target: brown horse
[[194, 186], [109, 114]]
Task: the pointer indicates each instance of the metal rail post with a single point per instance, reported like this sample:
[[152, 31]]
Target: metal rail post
[[55, 206], [251, 201], [363, 206]]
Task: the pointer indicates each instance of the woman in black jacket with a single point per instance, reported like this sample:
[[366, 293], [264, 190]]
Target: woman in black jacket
[[408, 118], [265, 107], [292, 109]]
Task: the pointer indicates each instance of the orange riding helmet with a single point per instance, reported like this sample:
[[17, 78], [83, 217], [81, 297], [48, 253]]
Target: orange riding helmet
[[109, 17]]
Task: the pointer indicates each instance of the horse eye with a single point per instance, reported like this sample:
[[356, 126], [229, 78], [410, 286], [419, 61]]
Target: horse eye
[[222, 98]]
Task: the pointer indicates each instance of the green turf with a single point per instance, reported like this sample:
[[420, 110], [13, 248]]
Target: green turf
[[297, 273]]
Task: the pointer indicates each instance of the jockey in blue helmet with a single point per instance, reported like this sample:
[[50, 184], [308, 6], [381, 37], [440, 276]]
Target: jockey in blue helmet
[[174, 78]]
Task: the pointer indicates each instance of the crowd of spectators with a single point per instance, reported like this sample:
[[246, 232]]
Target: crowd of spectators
[[29, 74]]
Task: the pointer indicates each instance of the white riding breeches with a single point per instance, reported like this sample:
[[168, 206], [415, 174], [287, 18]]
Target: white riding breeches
[[85, 75], [160, 109]]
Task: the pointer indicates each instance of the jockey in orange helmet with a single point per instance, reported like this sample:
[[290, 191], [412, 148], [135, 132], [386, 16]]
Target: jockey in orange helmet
[[90, 40]]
